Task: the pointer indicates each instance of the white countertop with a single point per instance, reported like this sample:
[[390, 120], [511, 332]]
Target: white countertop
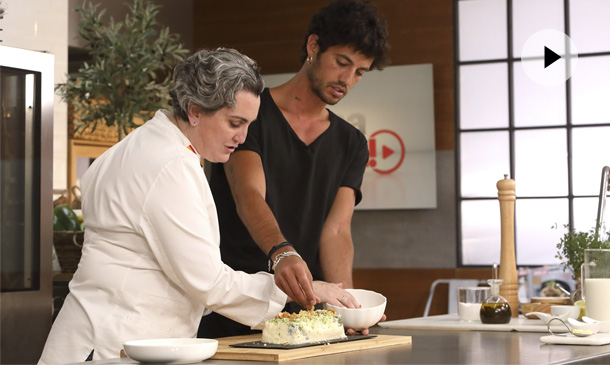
[[453, 322]]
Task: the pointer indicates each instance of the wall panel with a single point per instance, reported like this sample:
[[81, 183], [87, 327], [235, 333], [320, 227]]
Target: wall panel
[[272, 32]]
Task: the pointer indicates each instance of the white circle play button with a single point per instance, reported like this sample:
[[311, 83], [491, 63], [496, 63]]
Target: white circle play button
[[549, 57]]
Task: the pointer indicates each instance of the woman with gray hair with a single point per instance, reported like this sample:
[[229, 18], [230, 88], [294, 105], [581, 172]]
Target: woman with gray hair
[[151, 263]]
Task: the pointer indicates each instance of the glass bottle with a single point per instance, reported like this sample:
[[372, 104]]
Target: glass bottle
[[495, 309]]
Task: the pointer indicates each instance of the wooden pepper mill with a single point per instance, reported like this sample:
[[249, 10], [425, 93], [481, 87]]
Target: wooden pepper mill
[[508, 266]]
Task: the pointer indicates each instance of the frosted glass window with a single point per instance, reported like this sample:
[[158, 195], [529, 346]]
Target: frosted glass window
[[484, 160], [585, 214], [482, 30], [536, 239], [484, 96], [590, 153], [480, 232], [531, 16], [535, 104], [541, 162], [589, 25], [591, 90]]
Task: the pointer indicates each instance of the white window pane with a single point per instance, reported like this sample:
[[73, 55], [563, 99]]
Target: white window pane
[[590, 153], [536, 239], [536, 104], [541, 162], [480, 232], [484, 160], [531, 16], [585, 214], [484, 96], [482, 29], [591, 90], [589, 25]]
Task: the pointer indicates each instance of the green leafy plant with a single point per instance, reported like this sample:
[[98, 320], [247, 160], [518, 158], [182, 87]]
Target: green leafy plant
[[571, 247], [130, 70]]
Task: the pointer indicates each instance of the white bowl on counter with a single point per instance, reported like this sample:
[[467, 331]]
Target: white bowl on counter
[[371, 310], [171, 350], [572, 310]]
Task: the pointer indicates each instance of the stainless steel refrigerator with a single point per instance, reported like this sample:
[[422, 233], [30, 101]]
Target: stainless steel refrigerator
[[26, 194]]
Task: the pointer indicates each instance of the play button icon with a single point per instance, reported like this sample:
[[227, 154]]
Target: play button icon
[[549, 57]]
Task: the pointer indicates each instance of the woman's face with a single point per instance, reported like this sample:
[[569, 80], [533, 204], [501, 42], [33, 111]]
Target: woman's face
[[216, 136]]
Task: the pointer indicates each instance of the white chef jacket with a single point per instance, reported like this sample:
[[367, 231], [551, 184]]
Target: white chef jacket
[[151, 260]]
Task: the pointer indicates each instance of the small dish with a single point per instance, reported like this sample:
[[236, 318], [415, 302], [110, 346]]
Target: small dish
[[528, 308], [171, 350], [583, 331], [584, 326], [546, 318], [604, 326]]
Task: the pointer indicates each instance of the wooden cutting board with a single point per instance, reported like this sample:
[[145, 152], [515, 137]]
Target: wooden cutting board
[[225, 352]]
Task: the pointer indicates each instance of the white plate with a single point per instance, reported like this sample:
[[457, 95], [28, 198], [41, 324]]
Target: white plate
[[171, 350]]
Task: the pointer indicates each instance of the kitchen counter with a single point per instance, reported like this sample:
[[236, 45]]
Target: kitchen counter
[[453, 322], [452, 347]]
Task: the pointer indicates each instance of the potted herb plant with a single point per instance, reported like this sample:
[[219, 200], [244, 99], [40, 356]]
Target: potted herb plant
[[129, 74]]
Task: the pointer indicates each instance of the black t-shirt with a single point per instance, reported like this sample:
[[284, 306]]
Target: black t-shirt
[[302, 182]]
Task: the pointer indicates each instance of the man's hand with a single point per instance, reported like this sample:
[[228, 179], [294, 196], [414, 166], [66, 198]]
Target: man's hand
[[293, 277]]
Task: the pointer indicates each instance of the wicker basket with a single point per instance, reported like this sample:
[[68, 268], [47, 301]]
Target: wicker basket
[[68, 245], [102, 132]]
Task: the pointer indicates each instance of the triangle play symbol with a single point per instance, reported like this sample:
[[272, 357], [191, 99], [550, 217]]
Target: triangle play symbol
[[386, 151], [550, 57]]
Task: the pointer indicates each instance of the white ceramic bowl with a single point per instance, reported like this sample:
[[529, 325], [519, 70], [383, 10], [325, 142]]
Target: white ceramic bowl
[[372, 309], [572, 310], [171, 350]]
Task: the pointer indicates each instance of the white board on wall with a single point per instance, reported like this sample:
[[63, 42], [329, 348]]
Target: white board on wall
[[394, 108]]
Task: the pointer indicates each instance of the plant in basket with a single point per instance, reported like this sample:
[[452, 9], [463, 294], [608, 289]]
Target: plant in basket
[[129, 73], [68, 236]]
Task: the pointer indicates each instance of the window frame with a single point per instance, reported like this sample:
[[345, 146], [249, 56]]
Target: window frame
[[511, 129]]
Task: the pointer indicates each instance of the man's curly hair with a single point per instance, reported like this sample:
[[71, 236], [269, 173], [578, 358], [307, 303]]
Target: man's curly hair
[[354, 23]]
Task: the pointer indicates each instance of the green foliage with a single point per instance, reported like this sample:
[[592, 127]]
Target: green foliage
[[64, 219], [129, 74], [571, 247]]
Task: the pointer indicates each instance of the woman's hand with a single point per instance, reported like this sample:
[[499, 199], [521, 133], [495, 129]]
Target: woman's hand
[[351, 331], [334, 294]]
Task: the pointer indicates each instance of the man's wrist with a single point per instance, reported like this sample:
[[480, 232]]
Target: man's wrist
[[282, 256], [273, 250]]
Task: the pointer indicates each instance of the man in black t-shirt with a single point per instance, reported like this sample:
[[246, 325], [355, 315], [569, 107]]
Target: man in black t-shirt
[[286, 197]]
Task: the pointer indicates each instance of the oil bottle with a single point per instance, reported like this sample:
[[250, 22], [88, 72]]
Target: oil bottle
[[495, 309]]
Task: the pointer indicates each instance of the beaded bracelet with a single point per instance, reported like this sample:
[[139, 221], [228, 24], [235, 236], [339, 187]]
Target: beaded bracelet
[[273, 249], [283, 255]]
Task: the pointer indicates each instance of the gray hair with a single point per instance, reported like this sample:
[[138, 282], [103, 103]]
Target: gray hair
[[211, 78]]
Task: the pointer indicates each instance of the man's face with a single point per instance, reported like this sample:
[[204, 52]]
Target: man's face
[[334, 72]]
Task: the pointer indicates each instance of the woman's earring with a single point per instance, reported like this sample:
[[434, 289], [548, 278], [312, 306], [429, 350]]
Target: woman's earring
[[193, 122]]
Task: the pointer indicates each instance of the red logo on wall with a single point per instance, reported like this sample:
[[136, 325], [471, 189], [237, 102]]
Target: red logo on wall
[[387, 162]]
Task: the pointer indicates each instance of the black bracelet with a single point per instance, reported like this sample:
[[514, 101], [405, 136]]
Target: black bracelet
[[273, 249]]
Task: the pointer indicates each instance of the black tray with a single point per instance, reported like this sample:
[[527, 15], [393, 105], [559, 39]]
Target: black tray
[[262, 345]]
